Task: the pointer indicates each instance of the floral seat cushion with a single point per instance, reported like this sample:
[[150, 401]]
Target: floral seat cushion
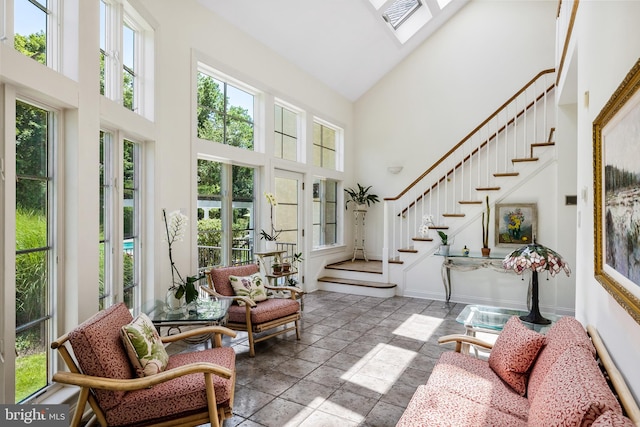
[[144, 347], [432, 406], [178, 396], [473, 379], [220, 277], [249, 286], [265, 311]]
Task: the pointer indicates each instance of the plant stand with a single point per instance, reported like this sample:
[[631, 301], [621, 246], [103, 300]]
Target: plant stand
[[359, 217]]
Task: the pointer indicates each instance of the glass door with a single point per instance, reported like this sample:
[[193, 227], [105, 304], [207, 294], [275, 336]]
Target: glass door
[[288, 214]]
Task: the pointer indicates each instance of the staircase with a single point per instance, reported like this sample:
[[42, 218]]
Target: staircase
[[500, 155]]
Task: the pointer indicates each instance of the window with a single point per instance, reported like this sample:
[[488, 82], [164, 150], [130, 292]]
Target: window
[[286, 133], [399, 11], [126, 57], [131, 218], [218, 213], [35, 280], [324, 146], [34, 28], [325, 212], [225, 113], [105, 279]]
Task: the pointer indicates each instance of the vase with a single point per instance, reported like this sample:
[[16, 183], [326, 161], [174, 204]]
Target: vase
[[485, 252], [173, 304], [270, 245], [444, 250], [465, 251]]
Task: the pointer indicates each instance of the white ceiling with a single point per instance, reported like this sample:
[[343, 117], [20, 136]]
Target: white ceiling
[[343, 43]]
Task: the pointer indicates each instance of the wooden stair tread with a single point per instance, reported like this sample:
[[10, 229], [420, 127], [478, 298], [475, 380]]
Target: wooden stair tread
[[421, 239], [453, 215], [408, 250], [470, 202], [396, 261], [543, 144], [365, 283], [501, 174], [438, 227], [487, 189], [525, 159]]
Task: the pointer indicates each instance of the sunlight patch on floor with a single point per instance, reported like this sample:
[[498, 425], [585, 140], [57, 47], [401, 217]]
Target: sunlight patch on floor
[[418, 327]]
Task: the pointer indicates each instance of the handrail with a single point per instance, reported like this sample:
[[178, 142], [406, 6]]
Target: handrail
[[469, 135]]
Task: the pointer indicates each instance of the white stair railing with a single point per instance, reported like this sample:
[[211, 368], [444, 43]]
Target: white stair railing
[[472, 167]]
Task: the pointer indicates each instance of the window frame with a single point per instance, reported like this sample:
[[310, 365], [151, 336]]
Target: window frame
[[52, 31], [119, 14], [300, 119], [338, 141], [202, 68], [55, 237]]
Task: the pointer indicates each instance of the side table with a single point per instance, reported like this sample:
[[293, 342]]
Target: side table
[[487, 319], [208, 312], [467, 263], [483, 318]]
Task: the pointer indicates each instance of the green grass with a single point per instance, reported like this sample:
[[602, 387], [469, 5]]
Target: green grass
[[31, 374]]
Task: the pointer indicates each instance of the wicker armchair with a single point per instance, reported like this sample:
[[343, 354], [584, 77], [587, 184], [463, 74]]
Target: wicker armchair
[[196, 387], [255, 317]]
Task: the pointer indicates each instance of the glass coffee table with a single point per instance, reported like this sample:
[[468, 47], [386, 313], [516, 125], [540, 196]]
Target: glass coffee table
[[483, 318], [206, 312]]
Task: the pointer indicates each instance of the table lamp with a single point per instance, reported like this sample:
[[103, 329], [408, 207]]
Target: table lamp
[[537, 258]]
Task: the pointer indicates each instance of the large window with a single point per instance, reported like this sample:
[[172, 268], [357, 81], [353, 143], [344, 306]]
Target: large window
[[34, 29], [106, 238], [286, 133], [325, 212], [126, 57], [35, 284], [131, 219], [120, 221], [325, 146], [225, 112], [226, 211]]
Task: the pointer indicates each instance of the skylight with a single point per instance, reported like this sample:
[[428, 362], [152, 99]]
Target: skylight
[[405, 18], [400, 11]]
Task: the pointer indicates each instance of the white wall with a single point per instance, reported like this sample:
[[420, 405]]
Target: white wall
[[448, 86], [440, 93], [187, 32], [605, 45]]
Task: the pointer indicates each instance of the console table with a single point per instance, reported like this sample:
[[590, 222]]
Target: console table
[[467, 263]]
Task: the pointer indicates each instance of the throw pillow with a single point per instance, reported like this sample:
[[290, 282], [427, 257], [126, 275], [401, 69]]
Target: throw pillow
[[249, 286], [514, 352], [144, 347]]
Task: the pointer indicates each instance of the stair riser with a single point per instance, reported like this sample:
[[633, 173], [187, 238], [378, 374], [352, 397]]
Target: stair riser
[[357, 290]]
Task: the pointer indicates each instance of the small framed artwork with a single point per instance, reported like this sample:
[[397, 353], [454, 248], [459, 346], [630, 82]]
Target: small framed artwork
[[616, 150], [516, 224]]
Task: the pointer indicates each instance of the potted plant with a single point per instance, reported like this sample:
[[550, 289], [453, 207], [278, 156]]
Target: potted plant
[[444, 243], [181, 287], [486, 250], [277, 268], [295, 260], [271, 236], [360, 197]]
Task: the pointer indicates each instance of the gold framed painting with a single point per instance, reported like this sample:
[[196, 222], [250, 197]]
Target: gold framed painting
[[516, 224], [616, 172]]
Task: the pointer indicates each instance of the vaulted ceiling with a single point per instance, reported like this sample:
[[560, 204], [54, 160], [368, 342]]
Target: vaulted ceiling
[[346, 44]]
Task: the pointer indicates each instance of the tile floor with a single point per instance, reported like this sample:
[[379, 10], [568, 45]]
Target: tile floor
[[358, 363]]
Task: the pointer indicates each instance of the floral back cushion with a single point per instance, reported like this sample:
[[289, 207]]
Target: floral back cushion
[[514, 352], [249, 286], [144, 347]]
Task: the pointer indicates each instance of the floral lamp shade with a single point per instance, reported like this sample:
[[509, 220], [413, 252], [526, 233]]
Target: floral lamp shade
[[536, 258]]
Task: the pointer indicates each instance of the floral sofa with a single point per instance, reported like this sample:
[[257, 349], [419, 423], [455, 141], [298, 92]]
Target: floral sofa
[[529, 379]]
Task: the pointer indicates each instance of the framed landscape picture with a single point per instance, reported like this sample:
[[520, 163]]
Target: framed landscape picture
[[516, 224], [616, 150]]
